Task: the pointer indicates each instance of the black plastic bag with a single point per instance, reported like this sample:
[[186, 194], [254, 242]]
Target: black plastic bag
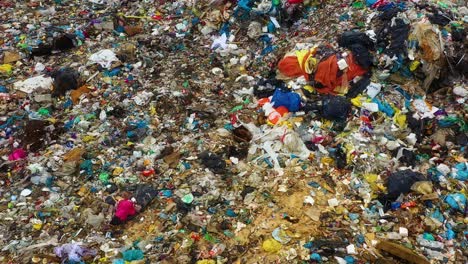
[[336, 108], [64, 80]]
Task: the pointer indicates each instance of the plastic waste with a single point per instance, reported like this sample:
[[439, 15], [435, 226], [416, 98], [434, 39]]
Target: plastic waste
[[64, 80], [72, 252], [271, 246], [401, 182], [456, 201], [105, 58], [336, 108], [205, 129], [125, 209], [422, 187], [430, 244], [290, 100], [133, 254], [33, 84]]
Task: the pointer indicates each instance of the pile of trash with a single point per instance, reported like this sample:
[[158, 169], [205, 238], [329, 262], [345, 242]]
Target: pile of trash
[[249, 131]]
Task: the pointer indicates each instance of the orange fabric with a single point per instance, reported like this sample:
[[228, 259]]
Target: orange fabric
[[327, 71], [289, 66], [326, 74]]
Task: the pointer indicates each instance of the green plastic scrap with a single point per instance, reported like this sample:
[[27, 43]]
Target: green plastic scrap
[[422, 156], [104, 177], [442, 4], [228, 233], [237, 108], [87, 167], [358, 5], [90, 116], [210, 238], [452, 120], [43, 112], [188, 198], [360, 24]]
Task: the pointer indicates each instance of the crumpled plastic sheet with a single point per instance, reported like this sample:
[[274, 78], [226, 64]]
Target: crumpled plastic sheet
[[105, 58], [73, 252]]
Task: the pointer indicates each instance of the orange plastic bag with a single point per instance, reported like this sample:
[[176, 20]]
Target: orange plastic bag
[[289, 66]]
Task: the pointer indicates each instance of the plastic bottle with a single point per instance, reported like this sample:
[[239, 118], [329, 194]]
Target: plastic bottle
[[217, 249], [433, 254], [429, 244]]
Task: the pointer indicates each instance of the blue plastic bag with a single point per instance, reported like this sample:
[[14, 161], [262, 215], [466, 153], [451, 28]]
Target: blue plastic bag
[[370, 2], [384, 107], [133, 254], [462, 172], [457, 201], [290, 100]]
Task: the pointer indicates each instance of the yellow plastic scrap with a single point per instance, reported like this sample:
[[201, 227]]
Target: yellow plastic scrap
[[357, 101], [271, 245], [297, 120], [37, 225], [340, 210], [310, 63], [52, 120], [372, 180], [309, 88], [400, 119], [344, 135], [283, 123], [349, 152], [117, 171], [326, 124], [107, 80], [327, 160], [381, 187], [152, 110], [422, 187], [88, 138], [6, 68], [371, 177], [242, 69], [414, 65], [206, 261]]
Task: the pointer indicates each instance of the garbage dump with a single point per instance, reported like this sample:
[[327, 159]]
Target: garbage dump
[[221, 131]]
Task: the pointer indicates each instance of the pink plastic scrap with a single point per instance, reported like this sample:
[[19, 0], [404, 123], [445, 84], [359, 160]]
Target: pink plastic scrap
[[125, 208], [17, 154]]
